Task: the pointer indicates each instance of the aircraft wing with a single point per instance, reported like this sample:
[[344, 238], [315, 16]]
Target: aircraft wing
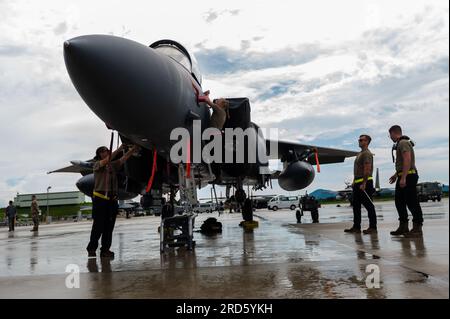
[[326, 155], [82, 167]]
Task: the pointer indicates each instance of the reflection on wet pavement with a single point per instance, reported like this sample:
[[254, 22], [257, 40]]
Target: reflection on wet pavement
[[280, 259]]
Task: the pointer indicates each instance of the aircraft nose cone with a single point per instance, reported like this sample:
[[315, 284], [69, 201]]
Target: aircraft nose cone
[[142, 93], [122, 81], [102, 74], [66, 45]]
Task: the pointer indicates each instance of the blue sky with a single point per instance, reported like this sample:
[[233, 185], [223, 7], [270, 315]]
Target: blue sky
[[322, 72]]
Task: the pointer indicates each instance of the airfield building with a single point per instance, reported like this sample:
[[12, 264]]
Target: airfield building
[[54, 199]]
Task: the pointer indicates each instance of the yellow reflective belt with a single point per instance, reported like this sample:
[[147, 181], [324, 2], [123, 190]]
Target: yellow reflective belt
[[411, 171], [359, 180], [101, 195]]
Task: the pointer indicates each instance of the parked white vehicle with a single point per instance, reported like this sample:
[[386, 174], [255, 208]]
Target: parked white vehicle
[[204, 208], [281, 201]]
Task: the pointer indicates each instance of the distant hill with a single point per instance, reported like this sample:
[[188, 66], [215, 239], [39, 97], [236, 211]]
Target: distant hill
[[324, 194], [385, 192]]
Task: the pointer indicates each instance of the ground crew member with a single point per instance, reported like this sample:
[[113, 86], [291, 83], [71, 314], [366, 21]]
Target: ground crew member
[[363, 188], [247, 210], [220, 111], [406, 177], [35, 213], [11, 213], [104, 199]]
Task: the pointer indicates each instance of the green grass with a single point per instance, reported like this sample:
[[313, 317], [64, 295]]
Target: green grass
[[55, 211], [375, 199], [345, 201]]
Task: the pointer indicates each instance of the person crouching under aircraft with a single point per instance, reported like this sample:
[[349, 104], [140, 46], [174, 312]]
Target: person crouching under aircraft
[[363, 188], [104, 199], [220, 111]]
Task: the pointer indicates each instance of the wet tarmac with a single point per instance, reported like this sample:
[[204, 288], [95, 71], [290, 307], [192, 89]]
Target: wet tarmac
[[280, 259]]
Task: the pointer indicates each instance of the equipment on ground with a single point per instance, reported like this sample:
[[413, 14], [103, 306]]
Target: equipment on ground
[[308, 203], [211, 226], [177, 231], [429, 191]]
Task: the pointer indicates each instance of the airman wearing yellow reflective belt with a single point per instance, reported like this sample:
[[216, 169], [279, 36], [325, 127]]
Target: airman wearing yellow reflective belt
[[104, 199], [406, 177], [363, 188]]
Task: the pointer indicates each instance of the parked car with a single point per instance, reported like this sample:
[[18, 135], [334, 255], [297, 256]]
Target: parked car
[[204, 208], [282, 201], [139, 211], [155, 210], [260, 202]]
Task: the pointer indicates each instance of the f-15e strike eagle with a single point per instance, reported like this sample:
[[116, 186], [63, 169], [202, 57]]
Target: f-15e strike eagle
[[145, 93]]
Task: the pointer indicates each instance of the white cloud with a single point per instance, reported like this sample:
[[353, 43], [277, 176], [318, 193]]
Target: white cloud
[[322, 72]]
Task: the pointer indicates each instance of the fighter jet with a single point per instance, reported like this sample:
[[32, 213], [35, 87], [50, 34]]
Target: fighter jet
[[144, 93]]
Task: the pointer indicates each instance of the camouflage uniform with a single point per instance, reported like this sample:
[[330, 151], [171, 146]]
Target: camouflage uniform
[[35, 214]]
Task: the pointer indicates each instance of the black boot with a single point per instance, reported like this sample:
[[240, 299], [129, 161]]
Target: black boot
[[370, 230], [91, 253], [416, 231], [401, 230], [353, 230], [107, 254]]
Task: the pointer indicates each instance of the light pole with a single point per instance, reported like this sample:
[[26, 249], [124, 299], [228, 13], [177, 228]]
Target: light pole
[[48, 188]]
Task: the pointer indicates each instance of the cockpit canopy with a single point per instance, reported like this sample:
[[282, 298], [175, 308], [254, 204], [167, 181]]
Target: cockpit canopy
[[179, 53]]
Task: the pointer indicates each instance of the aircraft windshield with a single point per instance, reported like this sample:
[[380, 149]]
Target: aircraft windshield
[[196, 70], [179, 54], [175, 54]]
